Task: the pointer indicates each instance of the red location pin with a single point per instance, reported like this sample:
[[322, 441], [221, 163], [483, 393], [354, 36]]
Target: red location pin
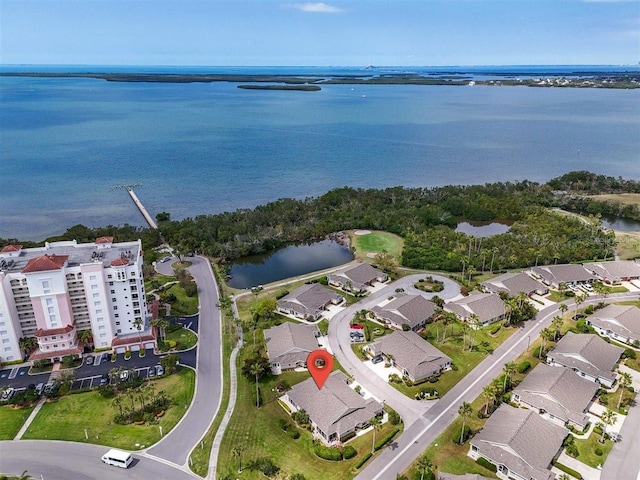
[[320, 364]]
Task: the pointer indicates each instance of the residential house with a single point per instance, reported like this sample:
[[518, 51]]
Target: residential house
[[289, 345], [411, 310], [356, 277], [519, 443], [309, 301], [488, 307], [554, 275], [416, 358], [557, 394], [615, 272], [335, 410], [588, 355], [514, 284], [620, 322]]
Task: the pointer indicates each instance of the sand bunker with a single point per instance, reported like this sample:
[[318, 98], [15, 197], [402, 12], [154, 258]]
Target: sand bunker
[[362, 232]]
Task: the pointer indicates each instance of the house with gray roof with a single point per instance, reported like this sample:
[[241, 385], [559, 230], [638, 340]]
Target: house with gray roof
[[416, 358], [588, 355], [488, 307], [519, 443], [616, 271], [557, 394], [335, 410], [411, 310], [620, 322], [514, 284], [357, 277], [309, 301], [289, 345], [554, 275]]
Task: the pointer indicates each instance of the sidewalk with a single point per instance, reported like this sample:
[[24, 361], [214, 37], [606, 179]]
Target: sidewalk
[[587, 472], [30, 419]]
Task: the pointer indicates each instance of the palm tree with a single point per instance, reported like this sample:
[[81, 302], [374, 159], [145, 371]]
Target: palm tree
[[447, 318], [237, 452], [476, 324], [563, 308], [609, 418], [464, 411], [564, 476], [256, 369], [138, 323], [424, 464], [544, 335], [508, 369], [161, 323], [24, 476], [85, 336], [488, 392], [579, 299], [556, 323], [376, 423], [624, 382], [117, 402]]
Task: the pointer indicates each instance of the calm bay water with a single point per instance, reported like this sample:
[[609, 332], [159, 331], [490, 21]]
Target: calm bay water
[[207, 148]]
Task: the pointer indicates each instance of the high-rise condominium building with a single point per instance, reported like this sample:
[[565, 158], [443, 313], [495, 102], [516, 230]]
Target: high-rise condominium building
[[56, 292]]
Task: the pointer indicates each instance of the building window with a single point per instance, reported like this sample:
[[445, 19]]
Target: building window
[[49, 301], [5, 340], [103, 335], [92, 277], [55, 345], [119, 330], [113, 291], [101, 327], [98, 311], [117, 323], [96, 304], [114, 299], [7, 349], [53, 338], [100, 319], [52, 318], [51, 310], [96, 295], [94, 287], [110, 276], [117, 315]]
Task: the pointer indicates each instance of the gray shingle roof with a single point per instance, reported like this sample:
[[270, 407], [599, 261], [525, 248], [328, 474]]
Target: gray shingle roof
[[359, 274], [616, 270], [588, 353], [621, 319], [558, 391], [410, 309], [336, 407], [565, 273], [487, 306], [291, 341], [413, 353], [513, 284], [309, 299], [521, 440]]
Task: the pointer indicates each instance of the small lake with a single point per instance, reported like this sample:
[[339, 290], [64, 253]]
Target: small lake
[[621, 224], [479, 230], [287, 262]]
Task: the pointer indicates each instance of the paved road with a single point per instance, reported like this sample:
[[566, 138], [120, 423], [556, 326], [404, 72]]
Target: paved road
[[410, 410], [418, 435], [177, 445], [78, 461]]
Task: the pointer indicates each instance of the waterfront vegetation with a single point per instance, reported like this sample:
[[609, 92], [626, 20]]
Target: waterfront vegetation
[[67, 417]]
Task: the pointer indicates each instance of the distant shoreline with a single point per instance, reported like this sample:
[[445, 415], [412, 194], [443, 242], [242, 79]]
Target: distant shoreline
[[616, 80]]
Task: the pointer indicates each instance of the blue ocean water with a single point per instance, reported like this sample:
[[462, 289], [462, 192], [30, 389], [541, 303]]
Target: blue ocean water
[[206, 148]]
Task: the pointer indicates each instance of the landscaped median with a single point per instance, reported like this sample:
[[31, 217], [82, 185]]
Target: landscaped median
[[77, 416]]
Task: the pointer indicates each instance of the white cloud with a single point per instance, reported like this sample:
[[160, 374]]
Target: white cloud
[[315, 7]]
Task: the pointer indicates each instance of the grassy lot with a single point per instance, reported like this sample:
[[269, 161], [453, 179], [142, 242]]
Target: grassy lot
[[628, 245], [66, 418], [151, 283], [376, 242], [184, 339], [258, 431], [587, 450], [11, 420], [624, 198], [184, 305]]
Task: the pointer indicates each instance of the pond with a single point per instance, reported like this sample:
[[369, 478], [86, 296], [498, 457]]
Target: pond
[[621, 224], [287, 262], [482, 230]]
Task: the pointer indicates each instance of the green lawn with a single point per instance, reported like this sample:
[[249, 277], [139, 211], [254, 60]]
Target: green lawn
[[184, 338], [376, 242], [11, 420], [587, 450], [67, 418], [184, 305]]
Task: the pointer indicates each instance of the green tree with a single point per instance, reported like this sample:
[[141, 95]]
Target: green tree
[[424, 465], [86, 336], [139, 323], [255, 369], [544, 336], [386, 262], [489, 393], [237, 451], [556, 323], [464, 411], [624, 381], [170, 363], [609, 418], [161, 323], [376, 423], [265, 307], [509, 369]]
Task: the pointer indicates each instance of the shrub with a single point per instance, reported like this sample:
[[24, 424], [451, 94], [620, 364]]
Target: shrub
[[300, 417], [266, 466], [386, 439], [589, 310], [495, 329], [458, 433], [598, 451], [282, 294], [628, 353], [363, 460], [323, 280], [394, 417], [454, 367], [434, 378], [348, 452], [284, 425], [568, 470], [328, 453], [536, 352], [486, 464], [572, 450], [347, 437], [294, 434], [107, 391], [297, 476], [405, 327], [568, 441], [524, 367]]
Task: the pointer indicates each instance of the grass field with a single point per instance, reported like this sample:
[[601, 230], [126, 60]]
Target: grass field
[[625, 198], [11, 420], [68, 417], [184, 305], [628, 246], [184, 338], [587, 450], [376, 242]]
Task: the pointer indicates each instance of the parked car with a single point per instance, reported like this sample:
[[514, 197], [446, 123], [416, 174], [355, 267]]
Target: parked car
[[376, 359], [165, 259], [124, 375], [39, 388], [7, 394], [104, 381], [152, 372], [159, 369], [89, 360], [587, 288], [104, 357]]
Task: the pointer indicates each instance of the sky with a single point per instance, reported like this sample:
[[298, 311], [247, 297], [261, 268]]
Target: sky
[[331, 33]]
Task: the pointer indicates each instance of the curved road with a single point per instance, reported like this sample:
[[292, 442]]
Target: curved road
[[420, 433], [56, 460]]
